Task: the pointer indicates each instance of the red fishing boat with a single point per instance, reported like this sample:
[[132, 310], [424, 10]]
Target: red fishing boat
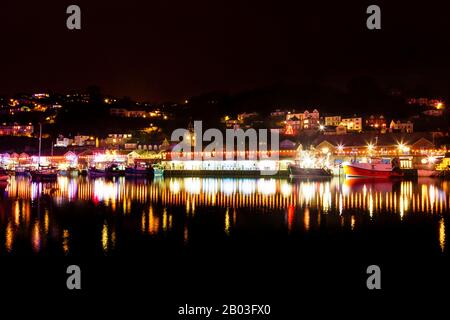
[[374, 168]]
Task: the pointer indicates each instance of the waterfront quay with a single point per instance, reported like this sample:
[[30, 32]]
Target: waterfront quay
[[416, 157]]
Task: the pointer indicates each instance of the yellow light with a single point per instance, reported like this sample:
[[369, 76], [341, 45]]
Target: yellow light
[[403, 148]]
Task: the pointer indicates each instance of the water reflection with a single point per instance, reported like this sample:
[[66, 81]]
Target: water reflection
[[65, 241], [27, 210], [442, 239], [370, 196]]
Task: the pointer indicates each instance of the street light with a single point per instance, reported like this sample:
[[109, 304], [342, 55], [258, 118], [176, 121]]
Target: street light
[[403, 148]]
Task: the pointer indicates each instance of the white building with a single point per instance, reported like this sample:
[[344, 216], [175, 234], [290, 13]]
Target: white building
[[63, 142]]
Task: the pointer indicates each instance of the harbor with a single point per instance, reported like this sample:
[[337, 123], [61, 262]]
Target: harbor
[[224, 159], [313, 162]]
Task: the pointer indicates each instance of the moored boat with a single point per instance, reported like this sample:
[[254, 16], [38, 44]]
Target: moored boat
[[69, 172], [427, 168], [374, 168], [138, 170], [96, 172], [309, 165], [297, 171], [44, 174], [112, 170], [427, 173], [21, 172]]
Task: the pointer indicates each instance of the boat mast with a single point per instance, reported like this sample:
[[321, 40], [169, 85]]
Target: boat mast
[[40, 143]]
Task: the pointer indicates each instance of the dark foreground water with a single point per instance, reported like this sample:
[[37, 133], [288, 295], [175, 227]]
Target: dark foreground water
[[195, 240]]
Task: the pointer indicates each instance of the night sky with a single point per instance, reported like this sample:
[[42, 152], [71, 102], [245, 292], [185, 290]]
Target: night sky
[[160, 50]]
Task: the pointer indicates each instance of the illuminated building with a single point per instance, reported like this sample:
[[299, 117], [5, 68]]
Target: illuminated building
[[352, 124], [332, 121], [406, 127], [377, 123], [302, 121], [118, 139], [16, 130]]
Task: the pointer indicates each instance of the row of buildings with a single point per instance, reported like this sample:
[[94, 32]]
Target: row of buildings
[[16, 129], [293, 123], [114, 141], [374, 123], [410, 148], [137, 113]]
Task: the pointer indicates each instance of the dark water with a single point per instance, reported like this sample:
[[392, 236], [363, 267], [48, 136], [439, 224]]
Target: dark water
[[256, 238]]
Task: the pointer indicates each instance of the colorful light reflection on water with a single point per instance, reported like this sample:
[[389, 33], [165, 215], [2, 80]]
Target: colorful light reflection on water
[[27, 209]]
